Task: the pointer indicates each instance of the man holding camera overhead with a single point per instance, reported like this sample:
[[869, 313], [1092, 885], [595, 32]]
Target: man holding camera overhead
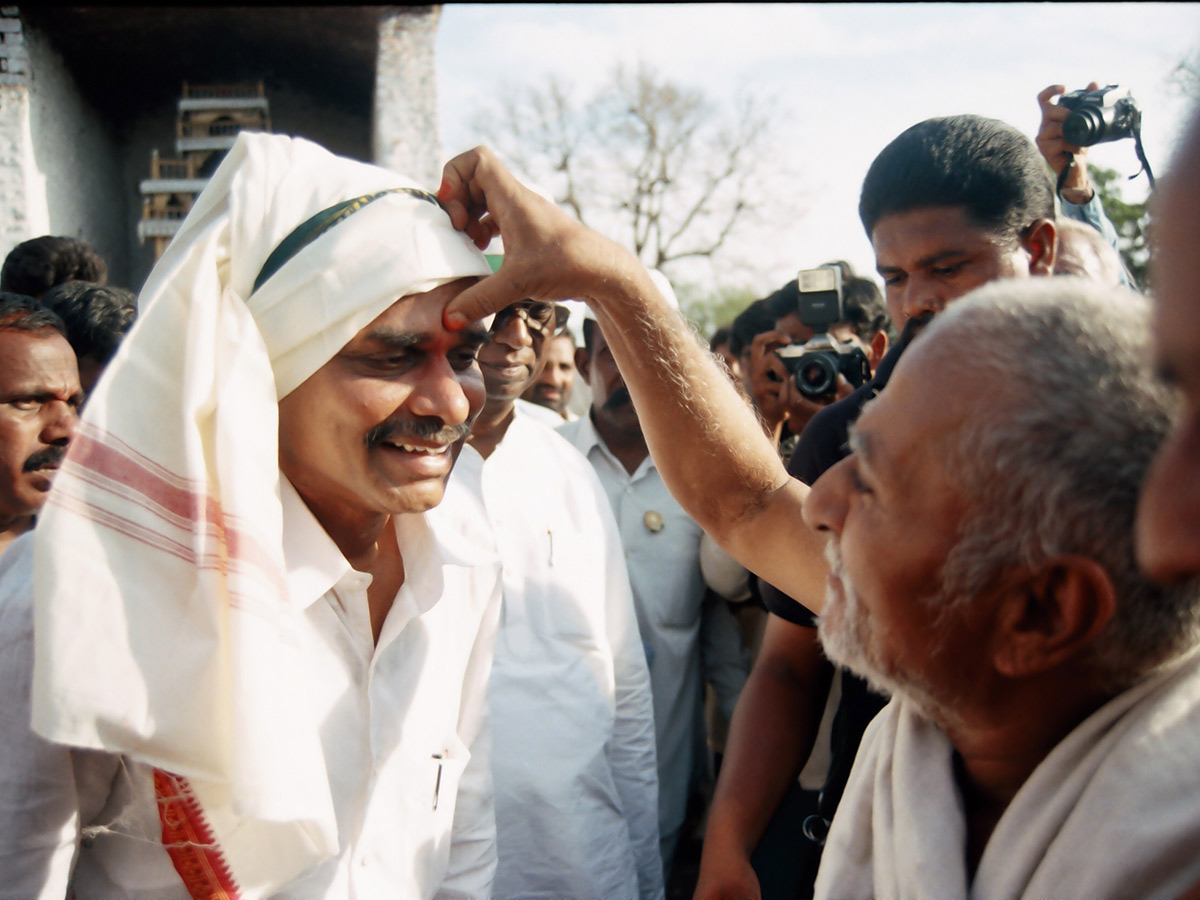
[[1080, 201]]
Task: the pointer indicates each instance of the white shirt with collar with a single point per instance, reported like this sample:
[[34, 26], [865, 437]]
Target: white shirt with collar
[[573, 721], [404, 729], [543, 414], [662, 554]]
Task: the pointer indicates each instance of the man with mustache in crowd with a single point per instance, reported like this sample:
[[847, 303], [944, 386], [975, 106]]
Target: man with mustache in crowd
[[552, 388], [263, 627], [572, 718], [662, 553], [40, 397]]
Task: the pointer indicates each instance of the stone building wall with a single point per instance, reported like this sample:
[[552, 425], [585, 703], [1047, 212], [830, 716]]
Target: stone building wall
[[76, 162], [292, 112], [14, 130], [71, 159], [59, 161], [406, 128]]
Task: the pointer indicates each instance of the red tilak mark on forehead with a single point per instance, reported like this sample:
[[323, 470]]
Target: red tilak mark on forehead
[[442, 343]]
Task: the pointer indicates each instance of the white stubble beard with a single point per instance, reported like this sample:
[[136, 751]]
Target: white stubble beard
[[847, 636]]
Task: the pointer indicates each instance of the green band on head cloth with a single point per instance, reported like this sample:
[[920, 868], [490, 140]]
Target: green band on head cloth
[[307, 232]]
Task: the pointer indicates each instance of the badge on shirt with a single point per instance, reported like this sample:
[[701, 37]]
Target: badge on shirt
[[653, 521]]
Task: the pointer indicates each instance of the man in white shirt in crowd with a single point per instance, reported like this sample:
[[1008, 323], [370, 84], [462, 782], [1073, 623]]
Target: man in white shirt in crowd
[[552, 388], [572, 718], [662, 552], [40, 397], [258, 656]]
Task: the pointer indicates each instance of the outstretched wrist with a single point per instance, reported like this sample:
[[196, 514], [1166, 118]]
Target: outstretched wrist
[[1078, 196]]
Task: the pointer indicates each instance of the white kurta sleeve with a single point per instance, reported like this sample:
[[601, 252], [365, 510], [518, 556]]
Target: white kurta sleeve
[[632, 754], [472, 864], [39, 805]]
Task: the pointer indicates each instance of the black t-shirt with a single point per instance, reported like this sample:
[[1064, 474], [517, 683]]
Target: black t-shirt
[[823, 443]]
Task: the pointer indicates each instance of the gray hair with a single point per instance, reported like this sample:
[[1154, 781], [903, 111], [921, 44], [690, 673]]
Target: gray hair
[[1054, 463]]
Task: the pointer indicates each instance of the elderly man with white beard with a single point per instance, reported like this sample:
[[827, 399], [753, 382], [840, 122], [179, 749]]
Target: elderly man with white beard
[[1045, 737], [1045, 720]]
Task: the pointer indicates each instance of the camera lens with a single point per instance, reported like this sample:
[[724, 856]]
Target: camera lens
[[1084, 127], [816, 377]]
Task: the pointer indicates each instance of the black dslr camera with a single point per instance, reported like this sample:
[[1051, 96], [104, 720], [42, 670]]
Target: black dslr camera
[[816, 364], [1099, 116]]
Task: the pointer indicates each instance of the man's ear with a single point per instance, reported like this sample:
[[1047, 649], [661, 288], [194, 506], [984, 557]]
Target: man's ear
[[583, 365], [1051, 615], [1040, 241], [879, 347]]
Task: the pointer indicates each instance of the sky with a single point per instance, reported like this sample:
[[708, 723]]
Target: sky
[[841, 80]]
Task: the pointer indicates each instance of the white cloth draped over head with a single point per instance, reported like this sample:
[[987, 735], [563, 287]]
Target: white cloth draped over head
[[162, 621], [1112, 811]]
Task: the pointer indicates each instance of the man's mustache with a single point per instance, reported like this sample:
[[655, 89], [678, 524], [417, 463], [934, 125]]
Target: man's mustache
[[915, 324], [51, 456], [619, 397], [419, 429], [833, 556]]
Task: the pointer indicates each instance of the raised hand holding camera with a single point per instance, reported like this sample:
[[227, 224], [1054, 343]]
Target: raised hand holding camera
[[1073, 121], [1100, 115]]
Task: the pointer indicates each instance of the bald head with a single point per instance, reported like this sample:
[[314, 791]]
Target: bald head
[[1083, 252]]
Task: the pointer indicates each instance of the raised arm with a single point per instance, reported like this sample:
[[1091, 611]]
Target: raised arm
[[706, 442]]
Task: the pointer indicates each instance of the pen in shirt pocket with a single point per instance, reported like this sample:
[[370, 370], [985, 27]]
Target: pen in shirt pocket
[[437, 784]]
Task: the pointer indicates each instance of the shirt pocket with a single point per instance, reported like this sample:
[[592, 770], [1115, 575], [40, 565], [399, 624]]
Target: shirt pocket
[[562, 592], [434, 779], [664, 572]]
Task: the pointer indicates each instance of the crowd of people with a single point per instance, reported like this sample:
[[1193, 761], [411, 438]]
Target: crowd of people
[[313, 585]]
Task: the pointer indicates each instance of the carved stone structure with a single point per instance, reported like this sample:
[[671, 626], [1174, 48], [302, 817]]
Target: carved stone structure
[[87, 94], [210, 117]]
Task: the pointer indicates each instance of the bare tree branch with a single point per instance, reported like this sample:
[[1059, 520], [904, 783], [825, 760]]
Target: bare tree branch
[[655, 160]]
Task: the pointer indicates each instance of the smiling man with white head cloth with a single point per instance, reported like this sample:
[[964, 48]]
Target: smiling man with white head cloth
[[257, 654]]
